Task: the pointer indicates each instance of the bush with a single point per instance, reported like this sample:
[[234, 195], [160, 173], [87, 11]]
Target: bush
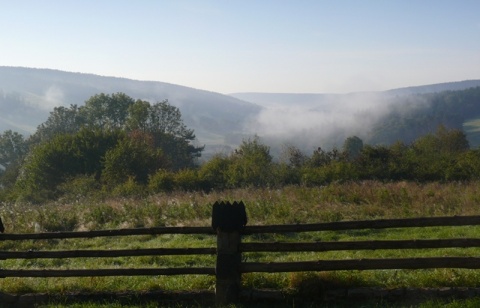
[[129, 188], [80, 187], [214, 172], [187, 180], [161, 181]]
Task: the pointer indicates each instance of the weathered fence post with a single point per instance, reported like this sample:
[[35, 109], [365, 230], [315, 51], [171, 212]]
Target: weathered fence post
[[228, 220]]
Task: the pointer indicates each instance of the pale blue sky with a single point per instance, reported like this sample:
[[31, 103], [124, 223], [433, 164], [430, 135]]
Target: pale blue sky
[[249, 45]]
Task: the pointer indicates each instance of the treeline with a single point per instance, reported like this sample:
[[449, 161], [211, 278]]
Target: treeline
[[117, 146]]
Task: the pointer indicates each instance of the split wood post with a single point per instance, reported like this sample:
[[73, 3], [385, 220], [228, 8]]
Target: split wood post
[[228, 220]]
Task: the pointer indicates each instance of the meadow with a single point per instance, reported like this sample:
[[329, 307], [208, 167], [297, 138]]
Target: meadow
[[291, 204]]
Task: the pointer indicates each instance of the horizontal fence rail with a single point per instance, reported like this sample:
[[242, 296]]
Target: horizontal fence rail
[[359, 245], [367, 224], [107, 233], [249, 230], [104, 253], [362, 264], [109, 272]]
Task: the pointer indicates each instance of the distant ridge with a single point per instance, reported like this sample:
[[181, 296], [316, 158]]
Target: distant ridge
[[221, 122], [269, 99], [28, 95], [434, 88]]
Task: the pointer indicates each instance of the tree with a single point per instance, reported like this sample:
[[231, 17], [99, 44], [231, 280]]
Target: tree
[[321, 157], [13, 147], [50, 163], [164, 122], [133, 158], [103, 111], [451, 141], [293, 156], [251, 164], [434, 154], [352, 147], [62, 120], [161, 121], [214, 172], [374, 162]]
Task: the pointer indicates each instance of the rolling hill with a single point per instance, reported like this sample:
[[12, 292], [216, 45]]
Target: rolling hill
[[221, 122], [27, 96]]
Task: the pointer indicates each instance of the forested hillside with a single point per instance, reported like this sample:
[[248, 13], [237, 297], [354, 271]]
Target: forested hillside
[[415, 115], [28, 95]]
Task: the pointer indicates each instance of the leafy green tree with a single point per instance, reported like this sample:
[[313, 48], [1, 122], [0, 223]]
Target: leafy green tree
[[51, 163], [251, 165], [161, 181], [352, 147], [321, 157], [62, 120], [132, 158], [466, 167], [451, 141], [187, 180], [13, 148], [293, 156], [435, 153], [164, 122], [374, 162], [214, 172], [103, 111]]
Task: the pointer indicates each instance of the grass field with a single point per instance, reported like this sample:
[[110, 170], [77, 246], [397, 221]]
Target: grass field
[[335, 202]]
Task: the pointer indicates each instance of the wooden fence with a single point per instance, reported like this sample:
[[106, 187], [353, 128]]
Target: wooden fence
[[229, 265]]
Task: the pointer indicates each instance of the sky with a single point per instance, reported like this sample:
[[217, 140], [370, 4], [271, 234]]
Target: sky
[[230, 46]]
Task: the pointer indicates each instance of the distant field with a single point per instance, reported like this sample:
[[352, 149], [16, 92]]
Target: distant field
[[472, 129]]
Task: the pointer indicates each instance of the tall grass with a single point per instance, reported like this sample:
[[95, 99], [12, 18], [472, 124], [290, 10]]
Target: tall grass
[[292, 204]]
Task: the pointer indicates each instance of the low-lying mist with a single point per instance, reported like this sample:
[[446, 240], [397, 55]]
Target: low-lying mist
[[325, 121]]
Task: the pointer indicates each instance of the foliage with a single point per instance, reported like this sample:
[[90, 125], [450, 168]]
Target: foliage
[[112, 137], [161, 181], [352, 147], [62, 120], [129, 188], [163, 121], [13, 148], [132, 158], [106, 112], [187, 180], [251, 165], [49, 164], [118, 111], [214, 172]]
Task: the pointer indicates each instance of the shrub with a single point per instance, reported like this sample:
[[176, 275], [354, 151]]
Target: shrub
[[129, 188], [161, 181], [187, 179], [80, 187]]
